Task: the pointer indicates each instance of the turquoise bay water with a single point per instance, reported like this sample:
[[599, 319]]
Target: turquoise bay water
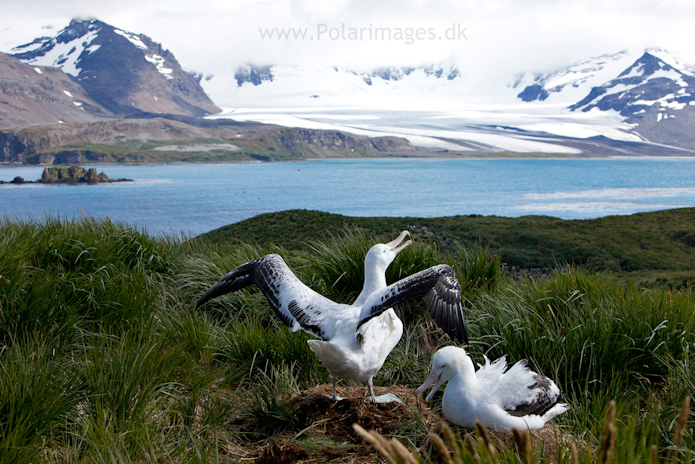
[[196, 198]]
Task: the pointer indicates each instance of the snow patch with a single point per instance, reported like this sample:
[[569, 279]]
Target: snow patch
[[637, 71], [674, 105], [67, 93], [132, 38], [158, 61], [669, 58], [65, 56], [670, 74], [667, 101], [78, 104], [38, 70]]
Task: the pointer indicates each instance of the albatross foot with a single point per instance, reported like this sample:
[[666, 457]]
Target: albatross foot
[[336, 398], [387, 398]]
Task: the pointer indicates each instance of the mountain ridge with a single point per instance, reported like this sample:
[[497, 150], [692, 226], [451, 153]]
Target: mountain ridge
[[122, 71]]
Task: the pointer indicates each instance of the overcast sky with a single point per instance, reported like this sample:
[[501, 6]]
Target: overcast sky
[[487, 38]]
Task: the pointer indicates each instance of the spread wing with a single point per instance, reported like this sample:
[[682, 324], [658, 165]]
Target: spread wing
[[297, 305], [442, 294]]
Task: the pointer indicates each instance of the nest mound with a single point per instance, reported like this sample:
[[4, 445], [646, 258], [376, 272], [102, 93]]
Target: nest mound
[[322, 430], [336, 418]]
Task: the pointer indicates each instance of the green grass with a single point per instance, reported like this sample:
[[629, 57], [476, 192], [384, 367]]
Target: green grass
[[135, 151], [656, 247], [104, 359]]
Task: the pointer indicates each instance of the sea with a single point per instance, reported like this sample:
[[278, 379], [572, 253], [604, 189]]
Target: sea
[[196, 198]]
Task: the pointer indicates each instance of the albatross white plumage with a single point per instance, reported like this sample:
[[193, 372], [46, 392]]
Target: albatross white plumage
[[518, 398], [354, 339]]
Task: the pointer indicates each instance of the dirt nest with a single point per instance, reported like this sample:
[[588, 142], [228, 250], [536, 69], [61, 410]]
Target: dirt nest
[[322, 430], [315, 405]]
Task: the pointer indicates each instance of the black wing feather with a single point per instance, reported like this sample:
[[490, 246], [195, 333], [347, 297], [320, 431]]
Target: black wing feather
[[542, 404], [269, 273], [442, 294], [236, 279]]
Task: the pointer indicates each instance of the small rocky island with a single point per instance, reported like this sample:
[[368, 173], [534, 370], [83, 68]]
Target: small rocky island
[[69, 175]]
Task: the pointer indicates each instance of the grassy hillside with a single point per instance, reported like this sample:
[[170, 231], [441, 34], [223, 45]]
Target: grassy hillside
[[651, 247], [159, 140], [103, 358]]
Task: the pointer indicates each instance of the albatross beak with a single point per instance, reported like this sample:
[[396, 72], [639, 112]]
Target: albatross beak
[[394, 244], [435, 379]]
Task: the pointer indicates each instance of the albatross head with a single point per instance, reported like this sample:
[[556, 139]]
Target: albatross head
[[378, 259], [446, 363], [380, 256]]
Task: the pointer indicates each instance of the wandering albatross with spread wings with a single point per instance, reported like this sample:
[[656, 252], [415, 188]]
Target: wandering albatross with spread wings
[[354, 340], [501, 399]]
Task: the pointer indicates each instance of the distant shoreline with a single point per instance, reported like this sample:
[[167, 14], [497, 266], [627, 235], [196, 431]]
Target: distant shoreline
[[363, 158]]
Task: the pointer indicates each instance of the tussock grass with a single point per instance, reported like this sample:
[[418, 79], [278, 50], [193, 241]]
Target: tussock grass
[[57, 274], [600, 340], [103, 357], [38, 393]]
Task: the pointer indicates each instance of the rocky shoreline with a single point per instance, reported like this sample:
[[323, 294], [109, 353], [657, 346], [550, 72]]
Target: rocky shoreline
[[67, 175]]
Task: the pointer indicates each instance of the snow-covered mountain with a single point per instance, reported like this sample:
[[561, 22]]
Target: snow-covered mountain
[[622, 103], [623, 82], [571, 83], [293, 86], [656, 97], [648, 82], [257, 75], [122, 71]]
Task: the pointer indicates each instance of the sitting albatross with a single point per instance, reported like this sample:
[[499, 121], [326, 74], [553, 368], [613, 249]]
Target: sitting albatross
[[518, 398], [354, 339]]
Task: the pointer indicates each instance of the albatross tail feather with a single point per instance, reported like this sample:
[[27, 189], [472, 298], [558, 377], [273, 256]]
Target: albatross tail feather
[[555, 411], [335, 359], [329, 354]]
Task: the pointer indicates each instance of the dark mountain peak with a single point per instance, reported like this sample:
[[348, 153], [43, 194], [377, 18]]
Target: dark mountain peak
[[78, 27], [40, 47], [533, 92], [646, 66], [646, 83], [255, 75], [124, 71]]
